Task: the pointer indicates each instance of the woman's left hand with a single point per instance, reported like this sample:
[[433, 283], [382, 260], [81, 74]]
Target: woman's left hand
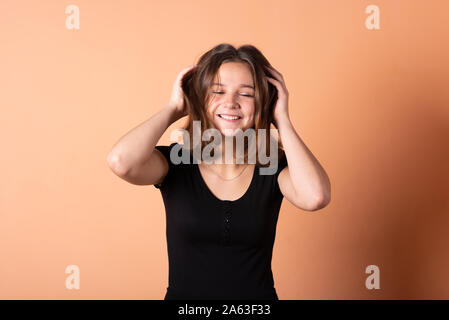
[[281, 107]]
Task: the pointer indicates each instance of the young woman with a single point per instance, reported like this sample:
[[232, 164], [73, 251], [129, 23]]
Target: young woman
[[221, 217]]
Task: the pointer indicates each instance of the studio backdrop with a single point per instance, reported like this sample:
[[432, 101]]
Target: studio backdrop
[[368, 84]]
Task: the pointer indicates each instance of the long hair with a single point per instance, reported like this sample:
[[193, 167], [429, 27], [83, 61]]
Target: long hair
[[197, 82]]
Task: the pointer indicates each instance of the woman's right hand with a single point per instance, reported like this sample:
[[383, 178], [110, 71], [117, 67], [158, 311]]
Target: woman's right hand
[[177, 96]]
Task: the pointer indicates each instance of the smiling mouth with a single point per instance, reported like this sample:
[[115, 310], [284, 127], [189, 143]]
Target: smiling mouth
[[229, 117]]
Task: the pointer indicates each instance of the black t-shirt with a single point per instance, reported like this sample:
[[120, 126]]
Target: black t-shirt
[[219, 249]]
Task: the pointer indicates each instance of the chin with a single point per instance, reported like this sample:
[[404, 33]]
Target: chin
[[232, 131]]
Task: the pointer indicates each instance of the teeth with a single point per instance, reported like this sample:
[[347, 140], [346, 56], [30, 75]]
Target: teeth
[[228, 117]]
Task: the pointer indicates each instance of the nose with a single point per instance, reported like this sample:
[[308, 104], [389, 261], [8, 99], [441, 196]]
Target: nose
[[231, 101]]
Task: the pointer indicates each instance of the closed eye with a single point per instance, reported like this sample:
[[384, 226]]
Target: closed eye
[[245, 95]]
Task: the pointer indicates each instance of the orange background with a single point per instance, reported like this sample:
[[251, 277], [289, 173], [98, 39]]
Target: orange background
[[372, 105]]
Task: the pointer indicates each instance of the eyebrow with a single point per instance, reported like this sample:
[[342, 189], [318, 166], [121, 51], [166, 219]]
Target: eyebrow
[[242, 85]]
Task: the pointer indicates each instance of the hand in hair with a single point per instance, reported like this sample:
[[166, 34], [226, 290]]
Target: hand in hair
[[177, 95]]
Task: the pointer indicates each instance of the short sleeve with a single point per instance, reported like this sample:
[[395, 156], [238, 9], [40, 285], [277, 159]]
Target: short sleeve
[[165, 150], [282, 163]]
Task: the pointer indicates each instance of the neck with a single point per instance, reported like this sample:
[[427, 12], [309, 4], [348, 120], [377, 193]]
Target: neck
[[233, 157], [230, 168]]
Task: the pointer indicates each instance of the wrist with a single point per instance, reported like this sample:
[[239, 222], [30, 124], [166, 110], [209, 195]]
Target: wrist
[[174, 112], [281, 120]]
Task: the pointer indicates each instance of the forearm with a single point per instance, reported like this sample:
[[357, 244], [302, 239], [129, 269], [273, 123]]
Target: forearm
[[136, 146], [307, 175]]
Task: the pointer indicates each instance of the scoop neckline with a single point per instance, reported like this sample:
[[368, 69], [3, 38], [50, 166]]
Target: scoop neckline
[[212, 195]]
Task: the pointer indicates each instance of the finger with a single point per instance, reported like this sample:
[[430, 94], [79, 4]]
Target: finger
[[182, 73], [275, 82], [185, 70], [189, 67], [275, 72], [278, 78], [279, 85]]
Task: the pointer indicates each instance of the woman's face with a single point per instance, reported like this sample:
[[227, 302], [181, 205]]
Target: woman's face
[[232, 97]]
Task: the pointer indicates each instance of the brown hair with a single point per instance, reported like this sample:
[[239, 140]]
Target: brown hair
[[197, 82]]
